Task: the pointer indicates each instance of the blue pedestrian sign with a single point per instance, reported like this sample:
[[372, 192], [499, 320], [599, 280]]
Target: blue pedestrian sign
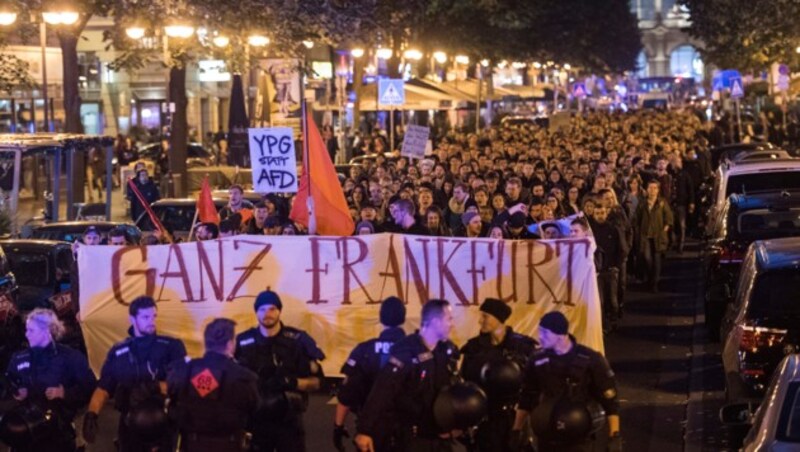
[[391, 92], [737, 89], [579, 90]]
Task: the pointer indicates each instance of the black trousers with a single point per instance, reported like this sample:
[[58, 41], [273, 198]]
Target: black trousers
[[494, 433], [411, 443], [608, 286], [127, 441], [680, 226], [288, 435], [652, 261]]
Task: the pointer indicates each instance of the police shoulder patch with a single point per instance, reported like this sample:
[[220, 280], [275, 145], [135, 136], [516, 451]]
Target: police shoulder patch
[[122, 351], [247, 341]]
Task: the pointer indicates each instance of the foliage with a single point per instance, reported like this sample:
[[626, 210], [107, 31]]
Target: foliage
[[745, 35], [14, 74]]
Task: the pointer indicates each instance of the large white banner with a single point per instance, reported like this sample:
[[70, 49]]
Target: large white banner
[[332, 286]]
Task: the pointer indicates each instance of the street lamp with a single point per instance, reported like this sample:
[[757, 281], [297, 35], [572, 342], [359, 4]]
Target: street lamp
[[7, 16], [308, 44], [258, 40], [60, 17], [440, 57], [179, 30], [384, 53], [412, 54], [358, 52], [221, 41], [462, 59], [135, 32]]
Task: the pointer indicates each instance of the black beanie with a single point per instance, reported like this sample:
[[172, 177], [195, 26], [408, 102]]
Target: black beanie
[[555, 322], [268, 297], [393, 312], [496, 308]]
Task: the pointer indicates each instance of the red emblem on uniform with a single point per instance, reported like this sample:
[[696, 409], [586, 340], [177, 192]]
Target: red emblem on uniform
[[205, 383]]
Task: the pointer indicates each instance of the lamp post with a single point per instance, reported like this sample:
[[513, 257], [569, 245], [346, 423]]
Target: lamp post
[[60, 16]]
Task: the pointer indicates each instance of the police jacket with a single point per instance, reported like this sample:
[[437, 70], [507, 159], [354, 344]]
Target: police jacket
[[39, 368], [362, 367], [479, 351], [408, 385], [212, 395], [138, 363], [290, 353], [581, 375]]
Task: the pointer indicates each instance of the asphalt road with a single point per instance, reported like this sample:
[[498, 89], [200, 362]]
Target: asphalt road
[[669, 375]]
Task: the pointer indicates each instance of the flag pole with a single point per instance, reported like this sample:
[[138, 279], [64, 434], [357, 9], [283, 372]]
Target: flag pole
[[312, 220]]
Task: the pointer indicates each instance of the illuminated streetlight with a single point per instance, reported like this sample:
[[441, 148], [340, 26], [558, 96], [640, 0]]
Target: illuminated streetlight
[[567, 66], [358, 52], [518, 65], [485, 63], [797, 49], [384, 53], [462, 59], [440, 57], [308, 44], [62, 17], [7, 16], [179, 30], [221, 41], [412, 54], [135, 32], [258, 40], [537, 65]]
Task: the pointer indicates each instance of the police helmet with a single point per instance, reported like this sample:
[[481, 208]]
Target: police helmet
[[20, 426], [501, 377], [149, 422], [564, 420], [460, 406]]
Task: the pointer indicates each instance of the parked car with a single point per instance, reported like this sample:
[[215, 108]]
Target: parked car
[[760, 155], [749, 177], [775, 425], [196, 154], [42, 269], [11, 327], [70, 231], [176, 214], [726, 152], [762, 325], [248, 195], [743, 220]]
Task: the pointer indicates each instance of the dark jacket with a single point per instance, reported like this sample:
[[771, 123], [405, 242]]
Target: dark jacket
[[650, 223]]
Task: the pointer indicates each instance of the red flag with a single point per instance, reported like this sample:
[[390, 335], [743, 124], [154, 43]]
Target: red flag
[[206, 210], [150, 213], [331, 212]]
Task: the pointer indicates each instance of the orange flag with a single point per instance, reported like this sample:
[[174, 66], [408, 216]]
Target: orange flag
[[206, 210], [331, 212]]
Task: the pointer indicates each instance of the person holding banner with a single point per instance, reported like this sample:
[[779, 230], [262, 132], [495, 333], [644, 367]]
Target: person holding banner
[[420, 366], [494, 360], [135, 374], [286, 360], [362, 367]]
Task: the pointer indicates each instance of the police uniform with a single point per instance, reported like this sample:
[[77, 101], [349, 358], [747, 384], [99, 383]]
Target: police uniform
[[39, 368], [291, 354], [493, 434], [212, 398], [361, 370], [581, 375], [407, 388], [131, 374]]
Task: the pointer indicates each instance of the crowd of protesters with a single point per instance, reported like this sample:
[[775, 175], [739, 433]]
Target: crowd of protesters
[[631, 180]]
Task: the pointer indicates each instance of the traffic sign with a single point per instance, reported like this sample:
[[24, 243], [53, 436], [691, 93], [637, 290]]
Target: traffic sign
[[737, 89], [718, 85], [391, 92], [579, 90]]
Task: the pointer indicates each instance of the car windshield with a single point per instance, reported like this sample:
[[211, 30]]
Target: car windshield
[[790, 415], [174, 218], [774, 180], [775, 294], [30, 269], [56, 234], [763, 223]]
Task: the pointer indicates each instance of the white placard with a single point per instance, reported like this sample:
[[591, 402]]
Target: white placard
[[273, 160], [415, 141]]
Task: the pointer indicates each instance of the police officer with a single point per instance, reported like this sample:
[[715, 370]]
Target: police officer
[[570, 392], [213, 397], [286, 360], [135, 374], [362, 367], [420, 366], [494, 360], [51, 383]]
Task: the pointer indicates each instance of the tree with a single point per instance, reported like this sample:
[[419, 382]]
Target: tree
[[14, 74], [745, 35]]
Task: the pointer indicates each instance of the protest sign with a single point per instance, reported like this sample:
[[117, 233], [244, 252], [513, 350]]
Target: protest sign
[[273, 160], [415, 141]]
